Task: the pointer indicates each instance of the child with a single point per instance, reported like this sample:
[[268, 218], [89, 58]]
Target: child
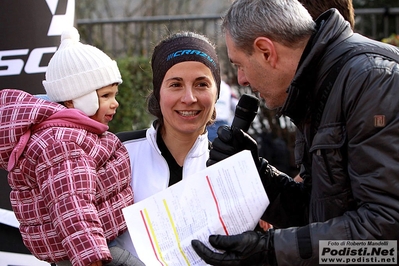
[[70, 177]]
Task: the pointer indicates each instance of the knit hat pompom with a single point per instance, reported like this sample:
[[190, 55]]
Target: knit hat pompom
[[76, 71], [72, 34]]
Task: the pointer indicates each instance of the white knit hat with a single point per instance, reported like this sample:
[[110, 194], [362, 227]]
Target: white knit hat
[[77, 71]]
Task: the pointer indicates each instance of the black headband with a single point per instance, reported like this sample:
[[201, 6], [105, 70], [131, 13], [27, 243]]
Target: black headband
[[180, 49]]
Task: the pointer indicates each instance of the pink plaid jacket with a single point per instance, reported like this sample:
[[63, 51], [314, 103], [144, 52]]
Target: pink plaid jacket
[[70, 178]]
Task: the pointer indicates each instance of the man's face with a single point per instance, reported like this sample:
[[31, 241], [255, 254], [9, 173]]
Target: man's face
[[256, 72]]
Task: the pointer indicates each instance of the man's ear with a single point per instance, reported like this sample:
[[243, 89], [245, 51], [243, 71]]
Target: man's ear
[[69, 104], [266, 47]]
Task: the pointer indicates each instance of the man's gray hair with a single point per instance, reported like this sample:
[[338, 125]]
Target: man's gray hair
[[283, 21]]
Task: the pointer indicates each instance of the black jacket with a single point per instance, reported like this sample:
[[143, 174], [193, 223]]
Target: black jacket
[[350, 164]]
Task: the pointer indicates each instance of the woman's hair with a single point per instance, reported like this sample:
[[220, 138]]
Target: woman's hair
[[283, 21], [317, 7], [176, 48]]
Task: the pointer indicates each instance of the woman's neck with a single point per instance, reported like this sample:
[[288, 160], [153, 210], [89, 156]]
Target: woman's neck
[[178, 145]]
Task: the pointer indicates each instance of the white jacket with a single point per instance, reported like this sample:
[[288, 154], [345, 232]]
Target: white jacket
[[150, 171]]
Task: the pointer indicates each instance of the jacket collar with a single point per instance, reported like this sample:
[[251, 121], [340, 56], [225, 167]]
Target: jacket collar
[[331, 29], [197, 150]]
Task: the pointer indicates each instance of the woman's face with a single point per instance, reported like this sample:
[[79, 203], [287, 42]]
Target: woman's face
[[187, 98]]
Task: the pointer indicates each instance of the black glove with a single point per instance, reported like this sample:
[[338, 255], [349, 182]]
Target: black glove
[[233, 140], [229, 142], [248, 248]]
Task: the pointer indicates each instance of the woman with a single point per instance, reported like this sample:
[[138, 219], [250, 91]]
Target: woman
[[186, 83]]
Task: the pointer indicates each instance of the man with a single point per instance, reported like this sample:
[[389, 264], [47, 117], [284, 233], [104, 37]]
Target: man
[[347, 141]]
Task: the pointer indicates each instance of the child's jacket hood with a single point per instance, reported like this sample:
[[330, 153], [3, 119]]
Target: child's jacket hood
[[22, 113]]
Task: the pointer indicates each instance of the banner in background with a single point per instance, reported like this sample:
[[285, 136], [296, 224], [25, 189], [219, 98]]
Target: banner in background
[[30, 32]]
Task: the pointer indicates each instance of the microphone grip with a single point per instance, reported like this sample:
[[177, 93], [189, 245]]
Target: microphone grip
[[246, 111], [240, 123]]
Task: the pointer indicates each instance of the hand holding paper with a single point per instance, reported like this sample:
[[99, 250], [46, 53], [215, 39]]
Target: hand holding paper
[[226, 198]]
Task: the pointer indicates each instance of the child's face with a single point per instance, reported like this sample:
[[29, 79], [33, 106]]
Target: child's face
[[108, 104]]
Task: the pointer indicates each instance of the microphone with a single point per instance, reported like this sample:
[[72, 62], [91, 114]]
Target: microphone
[[246, 110]]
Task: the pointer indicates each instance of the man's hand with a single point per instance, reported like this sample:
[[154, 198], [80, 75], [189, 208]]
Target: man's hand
[[229, 142], [233, 140], [248, 248]]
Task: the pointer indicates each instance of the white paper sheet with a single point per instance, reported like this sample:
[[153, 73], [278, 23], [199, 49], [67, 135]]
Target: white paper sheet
[[226, 198]]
